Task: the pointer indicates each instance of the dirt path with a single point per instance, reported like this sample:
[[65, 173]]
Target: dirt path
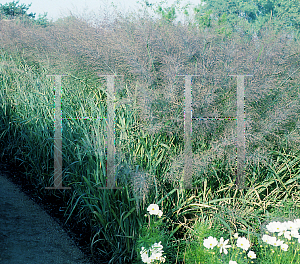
[[28, 235]]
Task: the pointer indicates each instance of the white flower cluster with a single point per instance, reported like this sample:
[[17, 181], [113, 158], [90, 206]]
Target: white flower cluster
[[242, 242], [289, 229], [153, 209], [156, 253], [156, 249]]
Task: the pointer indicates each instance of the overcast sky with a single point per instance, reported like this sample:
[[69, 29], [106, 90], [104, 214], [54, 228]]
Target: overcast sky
[[90, 8]]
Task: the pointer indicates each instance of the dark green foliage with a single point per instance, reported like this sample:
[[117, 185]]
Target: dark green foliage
[[255, 13], [11, 10], [14, 11], [228, 15]]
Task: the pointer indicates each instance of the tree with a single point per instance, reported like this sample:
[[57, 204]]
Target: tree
[[230, 15], [284, 14], [12, 11], [42, 20], [167, 14]]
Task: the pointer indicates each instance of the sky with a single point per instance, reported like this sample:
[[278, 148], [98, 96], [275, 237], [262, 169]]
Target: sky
[[91, 8]]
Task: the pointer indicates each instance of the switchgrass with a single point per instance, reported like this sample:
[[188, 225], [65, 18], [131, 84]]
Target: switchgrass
[[149, 134]]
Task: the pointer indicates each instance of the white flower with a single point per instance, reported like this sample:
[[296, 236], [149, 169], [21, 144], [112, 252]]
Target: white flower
[[157, 247], [160, 213], [223, 245], [146, 259], [270, 227], [232, 262], [297, 222], [290, 225], [236, 235], [271, 240], [143, 250], [287, 234], [162, 259], [284, 229], [210, 242], [275, 227], [153, 209], [144, 255], [251, 254], [276, 243], [156, 253], [156, 256], [266, 238], [284, 247], [243, 243], [295, 233]]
